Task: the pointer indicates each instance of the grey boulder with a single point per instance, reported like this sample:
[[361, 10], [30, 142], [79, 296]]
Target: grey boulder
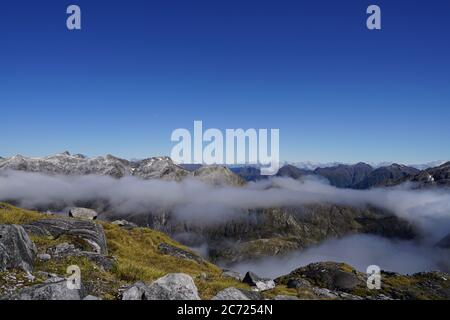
[[174, 286], [48, 291], [83, 213], [17, 251], [261, 284], [135, 292], [230, 294]]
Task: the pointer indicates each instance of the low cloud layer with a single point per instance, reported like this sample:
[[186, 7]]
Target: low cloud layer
[[360, 251], [196, 201]]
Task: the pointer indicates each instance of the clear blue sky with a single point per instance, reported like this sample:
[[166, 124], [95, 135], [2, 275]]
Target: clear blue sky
[[139, 69]]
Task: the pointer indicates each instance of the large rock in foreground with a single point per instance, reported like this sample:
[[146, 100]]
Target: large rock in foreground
[[48, 291], [17, 251], [91, 232], [230, 294], [174, 286]]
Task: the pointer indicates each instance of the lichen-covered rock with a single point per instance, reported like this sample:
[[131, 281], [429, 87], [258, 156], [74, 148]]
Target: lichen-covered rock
[[174, 286], [230, 294], [92, 233], [135, 292], [64, 250], [83, 213], [48, 291], [17, 251], [331, 280], [334, 276]]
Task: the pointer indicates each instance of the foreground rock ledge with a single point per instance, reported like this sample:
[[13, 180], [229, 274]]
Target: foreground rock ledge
[[174, 286], [17, 251]]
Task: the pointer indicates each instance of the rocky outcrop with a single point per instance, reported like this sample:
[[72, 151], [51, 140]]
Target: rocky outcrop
[[330, 280], [83, 213], [47, 291], [333, 276], [230, 294], [233, 275], [17, 251], [432, 177], [90, 232], [124, 224], [174, 286], [64, 250], [260, 284]]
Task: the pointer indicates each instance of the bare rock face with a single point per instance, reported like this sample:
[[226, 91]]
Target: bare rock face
[[67, 164], [159, 168], [83, 213], [91, 232], [174, 286], [17, 251], [217, 175]]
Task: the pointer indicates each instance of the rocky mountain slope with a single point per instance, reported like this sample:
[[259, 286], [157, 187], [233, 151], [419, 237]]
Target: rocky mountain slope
[[433, 177], [358, 176], [120, 261], [386, 176], [345, 176], [270, 232], [67, 164]]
